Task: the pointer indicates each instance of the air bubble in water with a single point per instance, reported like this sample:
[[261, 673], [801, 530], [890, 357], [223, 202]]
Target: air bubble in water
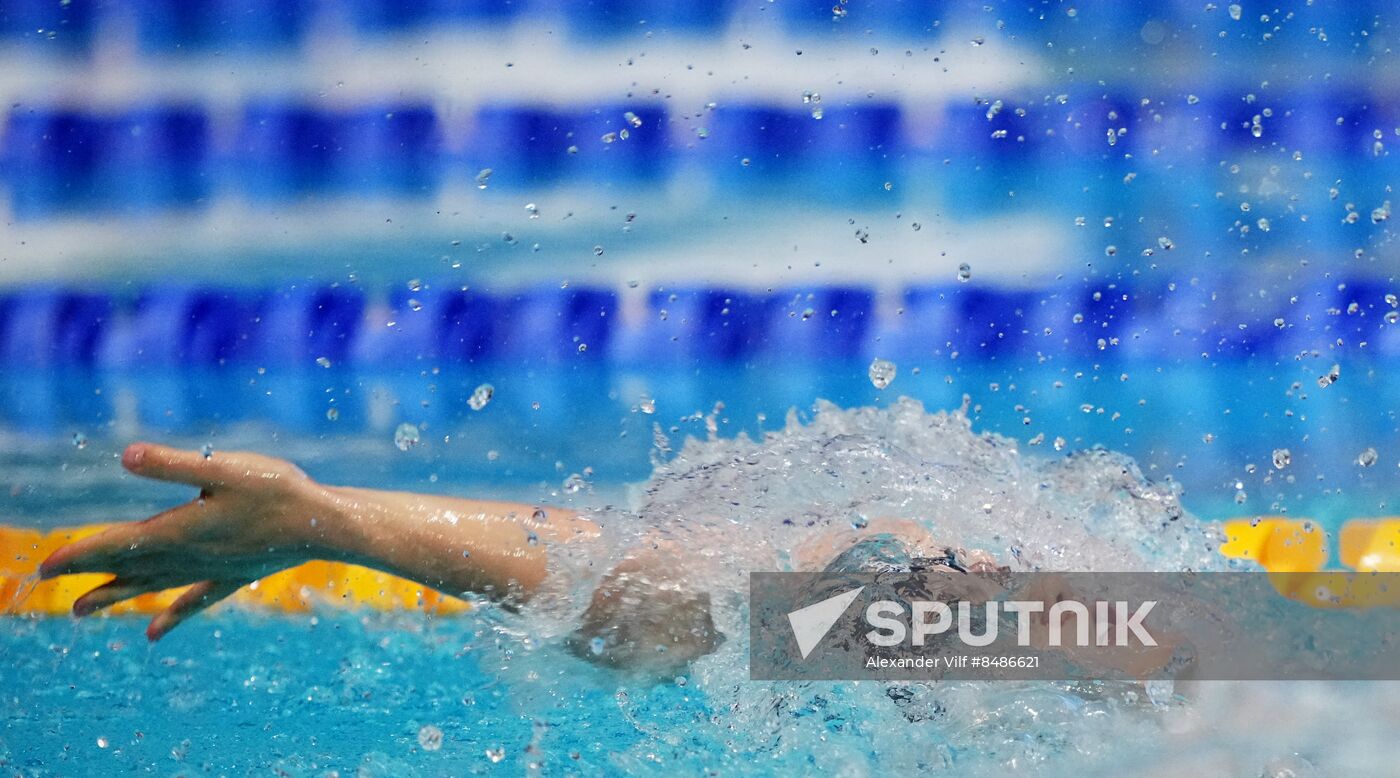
[[533, 210], [1367, 458], [406, 436], [596, 645], [323, 361], [496, 754], [430, 738], [481, 396], [483, 178], [1235, 11], [632, 119], [332, 414], [1282, 457], [964, 272], [79, 440], [882, 372], [207, 450], [574, 483]]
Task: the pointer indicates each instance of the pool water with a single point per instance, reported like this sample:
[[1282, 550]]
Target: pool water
[[368, 693]]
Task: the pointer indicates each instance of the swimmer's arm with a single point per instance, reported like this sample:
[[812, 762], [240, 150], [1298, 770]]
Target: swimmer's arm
[[257, 515]]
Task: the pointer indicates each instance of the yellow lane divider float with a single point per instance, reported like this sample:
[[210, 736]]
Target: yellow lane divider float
[[1294, 551]]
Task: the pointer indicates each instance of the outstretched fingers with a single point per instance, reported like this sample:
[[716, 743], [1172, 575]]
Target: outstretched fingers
[[114, 591], [119, 549], [164, 463], [195, 599]]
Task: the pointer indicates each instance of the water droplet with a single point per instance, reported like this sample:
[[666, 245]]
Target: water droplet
[[481, 396], [964, 272], [882, 372], [430, 738], [1367, 458], [1330, 378], [1282, 457], [406, 436]]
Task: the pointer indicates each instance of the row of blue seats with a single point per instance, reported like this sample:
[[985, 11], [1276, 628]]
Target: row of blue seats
[[164, 25], [336, 325], [64, 160]]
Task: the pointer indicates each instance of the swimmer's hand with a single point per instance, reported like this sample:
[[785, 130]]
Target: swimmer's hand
[[255, 515]]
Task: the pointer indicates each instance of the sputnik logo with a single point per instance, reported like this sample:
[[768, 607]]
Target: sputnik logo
[[810, 624]]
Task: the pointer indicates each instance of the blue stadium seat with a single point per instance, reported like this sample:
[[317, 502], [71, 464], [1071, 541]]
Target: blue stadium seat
[[612, 18], [42, 327], [615, 148], [49, 25], [285, 150], [402, 330], [757, 146], [180, 326], [154, 159], [692, 324], [467, 325], [523, 146], [823, 323], [926, 324], [302, 324], [51, 160], [996, 322], [181, 26], [550, 324], [389, 149]]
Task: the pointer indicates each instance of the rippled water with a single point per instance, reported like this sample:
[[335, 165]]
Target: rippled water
[[351, 693]]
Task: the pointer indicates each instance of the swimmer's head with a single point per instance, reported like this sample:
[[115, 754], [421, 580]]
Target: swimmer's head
[[645, 618]]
